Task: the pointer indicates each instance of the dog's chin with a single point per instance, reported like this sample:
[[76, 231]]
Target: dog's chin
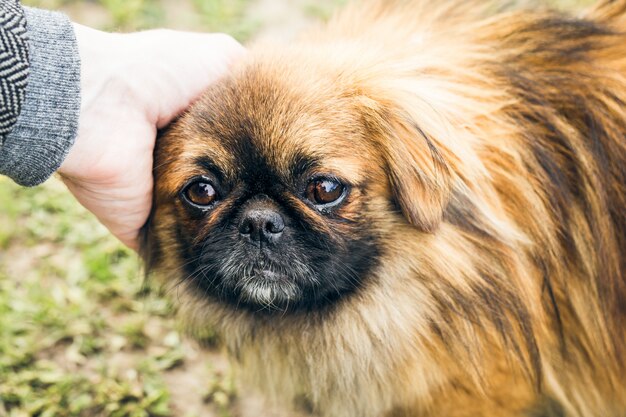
[[268, 290]]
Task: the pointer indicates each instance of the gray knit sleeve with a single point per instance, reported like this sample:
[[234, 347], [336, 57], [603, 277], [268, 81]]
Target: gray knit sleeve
[[48, 121]]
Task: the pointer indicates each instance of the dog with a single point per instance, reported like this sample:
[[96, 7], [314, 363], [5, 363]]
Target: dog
[[417, 209]]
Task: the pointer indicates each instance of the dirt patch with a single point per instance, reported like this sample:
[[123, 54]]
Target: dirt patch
[[189, 384]]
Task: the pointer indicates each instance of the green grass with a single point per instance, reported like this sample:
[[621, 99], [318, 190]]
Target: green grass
[[127, 15], [323, 9], [81, 333], [70, 298], [227, 16], [133, 14]]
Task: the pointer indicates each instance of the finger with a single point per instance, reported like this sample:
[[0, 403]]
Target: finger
[[131, 240], [205, 59]]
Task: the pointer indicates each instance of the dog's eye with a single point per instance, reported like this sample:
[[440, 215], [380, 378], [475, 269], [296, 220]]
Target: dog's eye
[[325, 191], [201, 193]]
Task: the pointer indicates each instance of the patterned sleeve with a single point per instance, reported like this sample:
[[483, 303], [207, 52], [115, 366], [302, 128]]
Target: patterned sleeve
[[14, 64]]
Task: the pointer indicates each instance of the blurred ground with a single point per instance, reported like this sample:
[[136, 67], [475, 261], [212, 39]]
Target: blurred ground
[[240, 18], [80, 333]]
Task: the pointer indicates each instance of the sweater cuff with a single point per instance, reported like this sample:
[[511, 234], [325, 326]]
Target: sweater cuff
[[48, 122]]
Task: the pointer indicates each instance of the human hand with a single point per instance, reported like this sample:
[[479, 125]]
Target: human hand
[[131, 85]]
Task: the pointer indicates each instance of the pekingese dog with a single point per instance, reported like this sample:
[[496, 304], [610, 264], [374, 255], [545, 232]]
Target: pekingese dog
[[416, 210]]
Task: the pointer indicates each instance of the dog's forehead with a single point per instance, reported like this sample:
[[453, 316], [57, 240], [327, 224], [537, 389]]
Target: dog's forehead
[[260, 123]]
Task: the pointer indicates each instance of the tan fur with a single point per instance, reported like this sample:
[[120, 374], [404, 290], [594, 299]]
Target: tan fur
[[502, 140]]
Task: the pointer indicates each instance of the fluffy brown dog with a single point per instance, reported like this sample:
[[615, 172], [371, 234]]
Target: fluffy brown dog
[[414, 211]]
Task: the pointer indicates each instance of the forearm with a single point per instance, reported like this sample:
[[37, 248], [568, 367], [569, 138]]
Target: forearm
[[47, 123]]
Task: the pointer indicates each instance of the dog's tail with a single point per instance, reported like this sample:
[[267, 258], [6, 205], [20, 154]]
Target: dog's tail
[[612, 12]]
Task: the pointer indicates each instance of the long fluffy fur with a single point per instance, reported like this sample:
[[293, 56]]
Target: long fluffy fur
[[503, 293]]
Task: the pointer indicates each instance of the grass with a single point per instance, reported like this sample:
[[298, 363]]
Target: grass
[[71, 298], [81, 335], [227, 16], [127, 15], [133, 14]]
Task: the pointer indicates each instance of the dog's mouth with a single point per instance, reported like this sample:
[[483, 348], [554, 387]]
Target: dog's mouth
[[263, 285], [268, 289]]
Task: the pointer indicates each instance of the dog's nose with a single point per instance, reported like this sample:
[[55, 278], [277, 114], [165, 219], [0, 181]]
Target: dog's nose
[[261, 224]]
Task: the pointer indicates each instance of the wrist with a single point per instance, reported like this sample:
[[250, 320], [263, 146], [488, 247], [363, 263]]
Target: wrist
[[107, 102]]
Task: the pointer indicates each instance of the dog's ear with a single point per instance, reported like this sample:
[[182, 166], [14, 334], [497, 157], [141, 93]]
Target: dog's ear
[[418, 173], [417, 169]]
